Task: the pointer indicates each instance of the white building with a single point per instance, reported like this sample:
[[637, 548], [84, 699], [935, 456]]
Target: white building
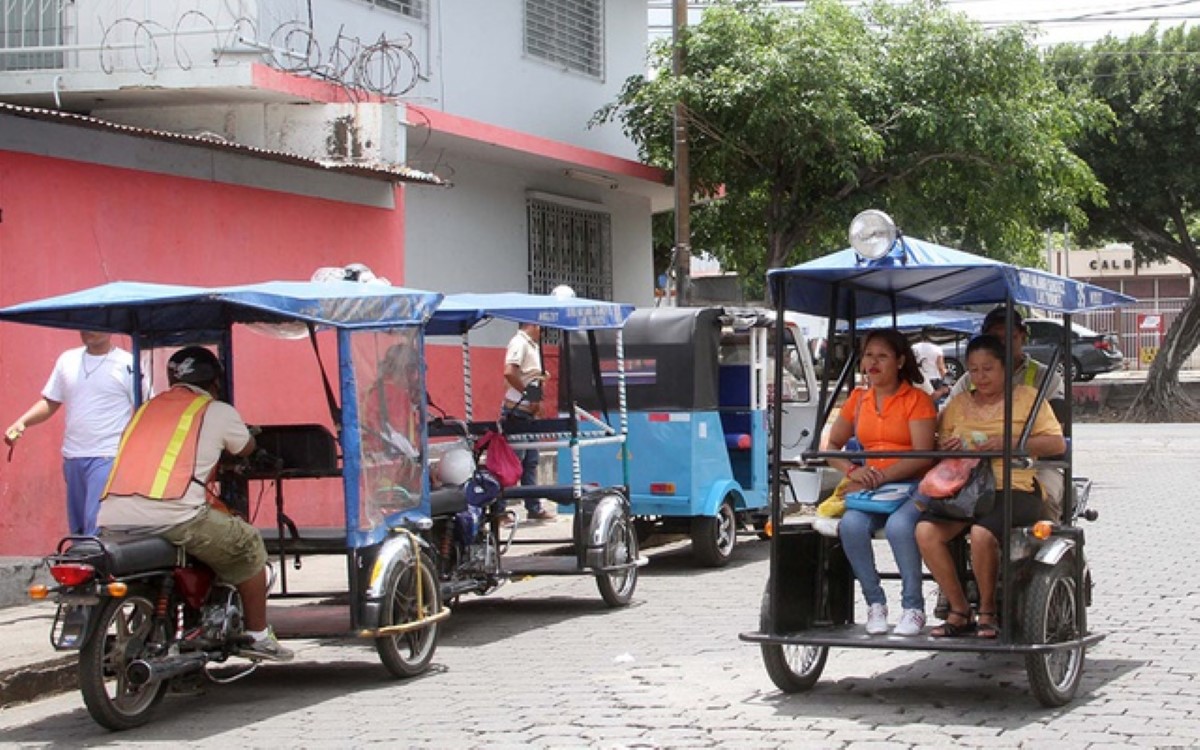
[[494, 97]]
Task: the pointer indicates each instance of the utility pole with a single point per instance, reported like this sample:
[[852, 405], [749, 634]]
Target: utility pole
[[682, 256]]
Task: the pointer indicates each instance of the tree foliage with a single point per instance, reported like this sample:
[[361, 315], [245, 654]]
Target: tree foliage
[[1151, 82], [798, 119]]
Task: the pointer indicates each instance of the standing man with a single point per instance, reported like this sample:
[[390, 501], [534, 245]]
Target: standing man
[[160, 479], [523, 400], [932, 364], [95, 383]]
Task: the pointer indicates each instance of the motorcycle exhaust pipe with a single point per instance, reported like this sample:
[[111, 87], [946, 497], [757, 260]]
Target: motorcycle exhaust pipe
[[143, 672]]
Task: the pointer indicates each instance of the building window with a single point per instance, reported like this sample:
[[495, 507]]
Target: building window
[[569, 33], [572, 246], [411, 8], [31, 23]]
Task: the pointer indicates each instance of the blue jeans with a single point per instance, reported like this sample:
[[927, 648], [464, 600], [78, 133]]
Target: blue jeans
[[856, 531], [529, 461], [86, 478]]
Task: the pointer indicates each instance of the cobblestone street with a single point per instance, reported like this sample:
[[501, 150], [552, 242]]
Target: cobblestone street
[[545, 664]]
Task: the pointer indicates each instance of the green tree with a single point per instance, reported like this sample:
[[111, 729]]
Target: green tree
[[799, 119], [1147, 161]]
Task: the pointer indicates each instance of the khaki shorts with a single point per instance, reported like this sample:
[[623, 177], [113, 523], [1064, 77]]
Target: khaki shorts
[[230, 546]]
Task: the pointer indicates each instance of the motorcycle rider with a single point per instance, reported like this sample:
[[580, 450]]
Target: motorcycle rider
[[159, 485]]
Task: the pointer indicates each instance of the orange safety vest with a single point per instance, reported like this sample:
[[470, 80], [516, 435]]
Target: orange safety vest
[[157, 455]]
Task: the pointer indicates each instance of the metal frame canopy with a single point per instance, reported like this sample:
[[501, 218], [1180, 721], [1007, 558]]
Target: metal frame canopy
[[174, 314], [933, 276], [458, 313]]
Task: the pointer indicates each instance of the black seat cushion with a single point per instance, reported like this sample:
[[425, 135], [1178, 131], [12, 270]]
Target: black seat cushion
[[126, 554]]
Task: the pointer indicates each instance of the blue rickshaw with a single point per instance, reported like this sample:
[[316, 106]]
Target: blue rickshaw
[[1045, 584], [603, 542], [391, 598], [698, 431]]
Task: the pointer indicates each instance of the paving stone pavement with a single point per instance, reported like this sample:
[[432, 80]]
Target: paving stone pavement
[[543, 663]]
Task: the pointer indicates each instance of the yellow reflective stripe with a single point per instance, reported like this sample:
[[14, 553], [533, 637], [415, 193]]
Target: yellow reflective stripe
[[174, 445], [1030, 373], [137, 416]]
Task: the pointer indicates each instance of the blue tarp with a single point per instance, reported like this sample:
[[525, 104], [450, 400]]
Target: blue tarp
[[460, 312], [161, 312], [959, 321], [918, 275]]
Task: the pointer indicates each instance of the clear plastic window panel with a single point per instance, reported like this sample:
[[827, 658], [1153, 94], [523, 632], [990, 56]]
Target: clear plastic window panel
[[390, 394]]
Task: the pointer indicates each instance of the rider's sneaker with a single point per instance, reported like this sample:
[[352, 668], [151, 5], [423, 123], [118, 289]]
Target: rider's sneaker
[[911, 622], [267, 649], [877, 619]]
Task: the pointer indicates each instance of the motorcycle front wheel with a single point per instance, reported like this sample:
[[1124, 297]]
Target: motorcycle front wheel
[[620, 548], [408, 654], [124, 631]]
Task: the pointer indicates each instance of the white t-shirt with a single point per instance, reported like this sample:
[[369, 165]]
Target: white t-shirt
[[97, 394], [222, 430], [523, 352], [927, 354]]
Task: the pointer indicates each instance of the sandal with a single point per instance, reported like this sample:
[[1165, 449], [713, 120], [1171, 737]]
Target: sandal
[[950, 629], [988, 629]]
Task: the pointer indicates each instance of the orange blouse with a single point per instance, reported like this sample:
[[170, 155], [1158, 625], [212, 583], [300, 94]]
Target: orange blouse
[[886, 429]]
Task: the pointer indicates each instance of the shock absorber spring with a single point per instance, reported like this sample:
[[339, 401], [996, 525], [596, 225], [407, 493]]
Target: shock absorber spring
[[164, 596], [446, 541]]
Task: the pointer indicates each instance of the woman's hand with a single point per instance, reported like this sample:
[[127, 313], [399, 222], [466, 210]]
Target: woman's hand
[[951, 443], [868, 477]]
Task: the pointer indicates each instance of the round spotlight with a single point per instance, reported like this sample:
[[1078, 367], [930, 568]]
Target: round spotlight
[[562, 291], [872, 234]]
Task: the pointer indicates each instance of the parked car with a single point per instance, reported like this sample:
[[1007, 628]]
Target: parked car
[[1091, 353]]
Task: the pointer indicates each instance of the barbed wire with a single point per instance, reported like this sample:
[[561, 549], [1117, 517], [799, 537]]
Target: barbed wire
[[385, 67]]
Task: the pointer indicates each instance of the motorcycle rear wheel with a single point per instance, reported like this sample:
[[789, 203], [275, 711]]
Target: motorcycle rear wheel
[[123, 632], [408, 654]]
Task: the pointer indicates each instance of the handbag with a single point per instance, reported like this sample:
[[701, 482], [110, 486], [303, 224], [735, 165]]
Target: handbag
[[976, 498], [947, 477], [886, 498], [501, 459]]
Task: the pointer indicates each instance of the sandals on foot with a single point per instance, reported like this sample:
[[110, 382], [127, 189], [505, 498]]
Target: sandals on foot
[[987, 629], [949, 629]]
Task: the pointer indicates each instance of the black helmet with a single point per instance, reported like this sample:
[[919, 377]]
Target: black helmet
[[195, 365]]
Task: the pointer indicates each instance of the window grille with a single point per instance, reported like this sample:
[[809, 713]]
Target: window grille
[[568, 33], [31, 23], [569, 246], [411, 8]]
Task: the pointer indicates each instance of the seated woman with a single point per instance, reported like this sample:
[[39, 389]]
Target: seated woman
[[888, 415], [975, 419]]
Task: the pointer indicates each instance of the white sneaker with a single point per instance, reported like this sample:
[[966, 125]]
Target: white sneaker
[[266, 649], [877, 619], [911, 622]]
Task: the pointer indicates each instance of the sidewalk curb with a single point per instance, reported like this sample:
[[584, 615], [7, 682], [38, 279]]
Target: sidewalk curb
[[41, 680]]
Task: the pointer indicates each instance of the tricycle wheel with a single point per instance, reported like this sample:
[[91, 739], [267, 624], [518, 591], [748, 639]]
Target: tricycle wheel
[[620, 548], [408, 654], [125, 630], [793, 669], [1051, 616], [713, 537]]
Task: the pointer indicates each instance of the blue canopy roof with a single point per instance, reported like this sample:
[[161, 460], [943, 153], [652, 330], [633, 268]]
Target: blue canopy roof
[[917, 275], [960, 321], [166, 312], [460, 312]]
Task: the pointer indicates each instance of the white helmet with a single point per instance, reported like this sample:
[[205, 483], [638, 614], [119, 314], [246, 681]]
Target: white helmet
[[456, 466]]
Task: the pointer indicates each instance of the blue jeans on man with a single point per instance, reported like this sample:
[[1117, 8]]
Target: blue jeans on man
[[856, 531], [86, 478], [529, 460]]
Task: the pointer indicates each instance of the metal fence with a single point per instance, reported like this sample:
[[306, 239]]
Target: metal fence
[[1136, 329]]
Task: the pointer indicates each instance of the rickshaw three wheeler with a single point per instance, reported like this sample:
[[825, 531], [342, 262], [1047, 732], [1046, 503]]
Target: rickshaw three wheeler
[[391, 598], [603, 542], [1044, 582], [698, 432]]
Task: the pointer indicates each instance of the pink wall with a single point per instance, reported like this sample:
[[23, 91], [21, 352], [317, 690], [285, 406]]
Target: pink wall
[[68, 225]]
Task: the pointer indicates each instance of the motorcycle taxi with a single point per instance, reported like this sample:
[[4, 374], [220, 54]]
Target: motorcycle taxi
[[473, 537], [698, 439], [139, 612], [1045, 583]]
